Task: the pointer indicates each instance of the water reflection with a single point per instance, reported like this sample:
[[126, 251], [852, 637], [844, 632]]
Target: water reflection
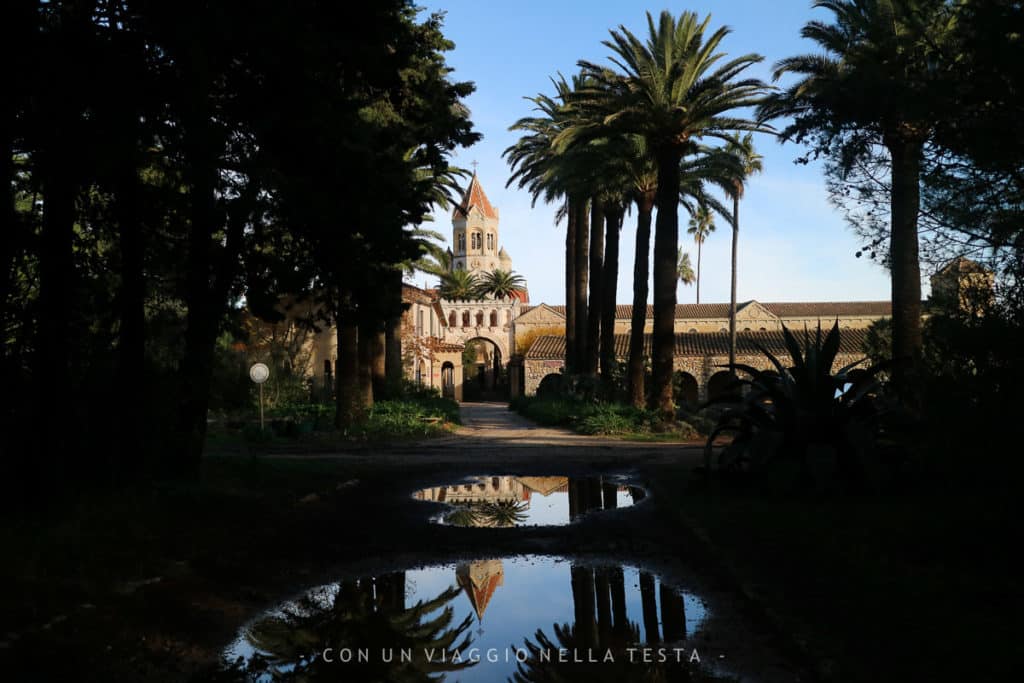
[[522, 619], [506, 501], [307, 639]]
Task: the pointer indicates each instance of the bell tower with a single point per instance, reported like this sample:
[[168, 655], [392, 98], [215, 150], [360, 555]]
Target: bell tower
[[475, 244]]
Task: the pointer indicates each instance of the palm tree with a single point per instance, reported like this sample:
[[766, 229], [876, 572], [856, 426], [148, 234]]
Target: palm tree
[[459, 285], [550, 175], [702, 224], [743, 150], [684, 269], [366, 612], [501, 284], [673, 91], [878, 83]]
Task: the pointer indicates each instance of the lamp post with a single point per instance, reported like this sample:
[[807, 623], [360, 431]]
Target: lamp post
[[259, 373]]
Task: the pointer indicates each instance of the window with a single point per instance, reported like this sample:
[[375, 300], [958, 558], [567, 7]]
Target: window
[[451, 319], [490, 242], [480, 319], [465, 318], [462, 243], [494, 318], [419, 323], [475, 241]]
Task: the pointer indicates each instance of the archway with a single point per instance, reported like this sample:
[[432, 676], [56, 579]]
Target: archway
[[484, 376], [448, 379], [719, 384], [685, 388]]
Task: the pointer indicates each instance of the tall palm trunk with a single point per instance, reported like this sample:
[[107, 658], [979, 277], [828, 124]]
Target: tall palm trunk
[[583, 600], [570, 287], [666, 251], [649, 607], [582, 276], [905, 263], [700, 243], [673, 614], [732, 286], [641, 270], [610, 277], [596, 298]]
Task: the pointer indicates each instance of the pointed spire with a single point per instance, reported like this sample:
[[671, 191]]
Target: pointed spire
[[475, 196]]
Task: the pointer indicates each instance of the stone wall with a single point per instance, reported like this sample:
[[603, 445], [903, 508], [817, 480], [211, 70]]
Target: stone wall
[[701, 368]]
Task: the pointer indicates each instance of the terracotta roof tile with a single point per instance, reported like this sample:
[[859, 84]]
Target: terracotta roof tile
[[475, 197], [822, 309], [704, 344]]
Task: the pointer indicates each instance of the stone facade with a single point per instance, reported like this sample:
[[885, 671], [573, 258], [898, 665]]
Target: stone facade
[[700, 357]]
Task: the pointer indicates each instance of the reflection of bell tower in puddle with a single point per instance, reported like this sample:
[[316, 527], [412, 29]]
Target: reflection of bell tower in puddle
[[479, 580]]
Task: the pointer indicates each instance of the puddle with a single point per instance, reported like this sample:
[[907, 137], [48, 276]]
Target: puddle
[[540, 618], [507, 501]]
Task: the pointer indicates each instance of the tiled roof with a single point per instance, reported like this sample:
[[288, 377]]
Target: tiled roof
[[830, 309], [705, 343], [475, 197], [816, 309], [413, 294]]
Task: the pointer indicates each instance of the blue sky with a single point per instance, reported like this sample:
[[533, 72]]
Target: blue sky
[[793, 245]]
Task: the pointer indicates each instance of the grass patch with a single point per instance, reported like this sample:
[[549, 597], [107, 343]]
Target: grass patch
[[594, 418], [897, 587], [417, 416]]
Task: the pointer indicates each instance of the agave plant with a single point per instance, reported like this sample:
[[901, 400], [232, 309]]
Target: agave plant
[[803, 414]]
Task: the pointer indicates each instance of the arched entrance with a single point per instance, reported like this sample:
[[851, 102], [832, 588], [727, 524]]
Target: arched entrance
[[448, 379], [685, 388], [483, 371], [719, 384]]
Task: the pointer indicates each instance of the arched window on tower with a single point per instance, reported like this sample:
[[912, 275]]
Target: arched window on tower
[[479, 318], [465, 318], [461, 243], [475, 241], [490, 242], [451, 319], [494, 318]]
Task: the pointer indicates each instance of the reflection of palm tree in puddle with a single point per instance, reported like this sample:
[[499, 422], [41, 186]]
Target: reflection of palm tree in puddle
[[370, 614], [602, 626], [502, 513]]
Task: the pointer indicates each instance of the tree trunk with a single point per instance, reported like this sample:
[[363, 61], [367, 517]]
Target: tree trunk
[[700, 244], [581, 270], [649, 606], [610, 277], [732, 287], [641, 270], [905, 265], [378, 363], [131, 346], [673, 614], [393, 339], [596, 298], [10, 234], [348, 409], [583, 599], [56, 405], [666, 251], [367, 349], [570, 287]]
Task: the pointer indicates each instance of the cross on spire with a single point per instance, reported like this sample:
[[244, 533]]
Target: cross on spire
[[474, 164]]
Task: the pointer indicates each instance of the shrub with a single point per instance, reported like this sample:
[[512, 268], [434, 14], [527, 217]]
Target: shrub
[[803, 419]]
